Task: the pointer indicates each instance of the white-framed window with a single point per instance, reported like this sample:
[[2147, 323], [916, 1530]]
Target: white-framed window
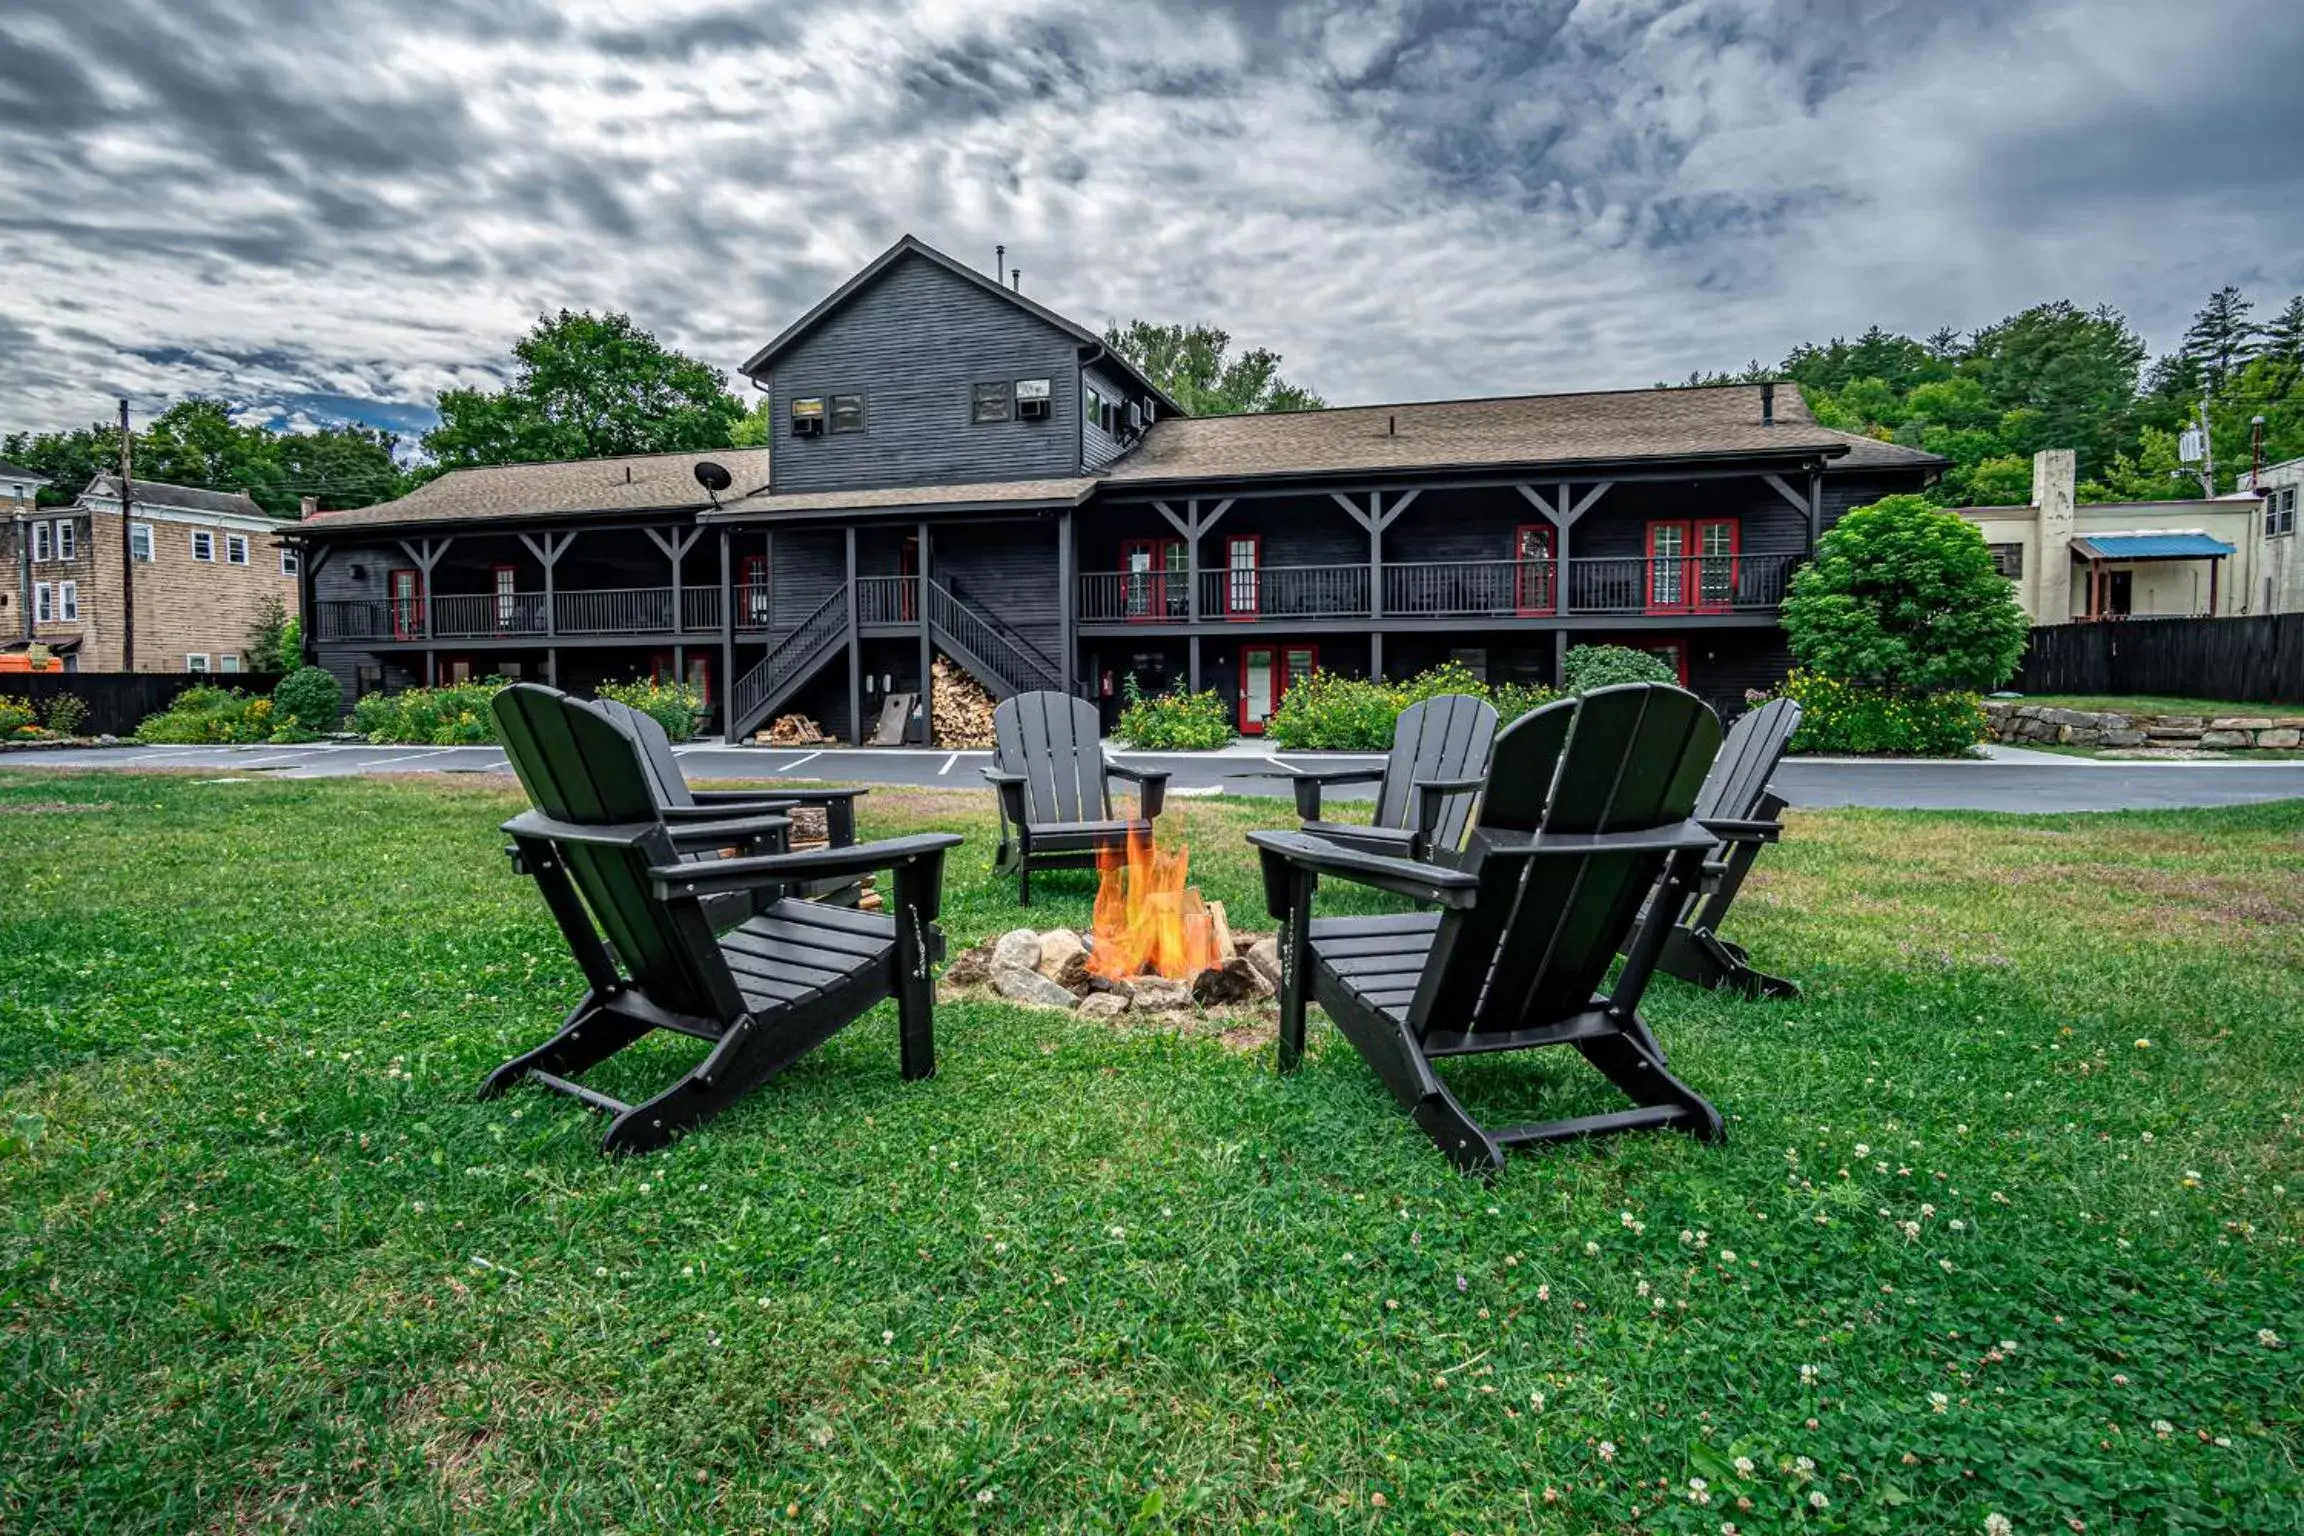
[[68, 600], [196, 661], [235, 549], [43, 603], [140, 542], [288, 566], [2280, 512], [42, 549], [67, 539], [203, 544], [18, 490], [228, 662]]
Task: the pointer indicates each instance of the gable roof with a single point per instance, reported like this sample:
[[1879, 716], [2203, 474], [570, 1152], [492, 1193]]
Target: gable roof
[[22, 476], [973, 495], [644, 482], [1717, 421], [178, 498], [910, 245]]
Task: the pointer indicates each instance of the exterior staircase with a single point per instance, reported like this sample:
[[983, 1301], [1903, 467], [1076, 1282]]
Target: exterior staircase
[[1003, 661], [788, 666]]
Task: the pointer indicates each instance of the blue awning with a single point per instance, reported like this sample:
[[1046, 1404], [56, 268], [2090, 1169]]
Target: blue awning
[[2150, 546]]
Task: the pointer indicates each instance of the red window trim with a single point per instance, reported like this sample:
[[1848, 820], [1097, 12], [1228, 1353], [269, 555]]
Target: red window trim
[[660, 663], [407, 611], [752, 582], [1233, 609], [1281, 651], [1547, 580], [507, 595], [1693, 566], [1155, 607], [908, 564]]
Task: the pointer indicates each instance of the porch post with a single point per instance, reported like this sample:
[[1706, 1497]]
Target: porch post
[[1376, 655], [727, 688], [548, 555], [1192, 664], [1068, 620], [1559, 658], [927, 645], [855, 649], [1192, 572]]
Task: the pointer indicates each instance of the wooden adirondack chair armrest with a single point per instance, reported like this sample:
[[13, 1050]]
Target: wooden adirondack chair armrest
[[1151, 788], [728, 832], [892, 853], [725, 810], [608, 835], [1686, 837], [1432, 795], [1286, 853], [838, 806], [1729, 831], [1309, 782]]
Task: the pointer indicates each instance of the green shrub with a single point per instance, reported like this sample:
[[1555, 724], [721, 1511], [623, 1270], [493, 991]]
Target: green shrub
[[674, 706], [1175, 722], [67, 712], [1843, 717], [1327, 711], [1903, 596], [291, 734], [454, 715], [309, 697], [15, 715], [1587, 667], [206, 715]]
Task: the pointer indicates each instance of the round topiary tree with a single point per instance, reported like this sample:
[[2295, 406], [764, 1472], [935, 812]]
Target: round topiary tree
[[1587, 667], [311, 697], [1903, 596]]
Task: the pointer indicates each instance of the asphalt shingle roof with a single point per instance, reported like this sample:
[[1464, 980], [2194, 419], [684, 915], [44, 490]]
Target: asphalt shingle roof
[[649, 482], [1065, 492], [180, 498], [18, 472], [1599, 427]]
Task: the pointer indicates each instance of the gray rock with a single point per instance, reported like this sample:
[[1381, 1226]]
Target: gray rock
[[1018, 947], [1030, 988], [1159, 994], [2124, 738], [2280, 736], [2240, 723], [2227, 739], [1058, 948], [1103, 1005], [1264, 955]]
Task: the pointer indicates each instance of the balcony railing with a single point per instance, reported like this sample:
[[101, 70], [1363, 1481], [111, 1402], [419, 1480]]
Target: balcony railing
[[887, 599], [513, 615], [1438, 589]]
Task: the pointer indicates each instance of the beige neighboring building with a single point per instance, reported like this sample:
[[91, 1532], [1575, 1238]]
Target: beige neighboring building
[[2074, 560], [204, 562], [2280, 573]]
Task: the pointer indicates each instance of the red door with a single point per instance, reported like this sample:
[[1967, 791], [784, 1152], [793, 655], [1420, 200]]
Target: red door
[[908, 566], [1668, 567], [406, 587], [1266, 674], [752, 575], [1535, 580], [507, 598], [1718, 541], [1147, 565], [1243, 588]]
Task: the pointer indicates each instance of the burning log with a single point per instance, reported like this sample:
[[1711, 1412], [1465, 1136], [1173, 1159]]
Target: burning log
[[1148, 920], [1220, 986]]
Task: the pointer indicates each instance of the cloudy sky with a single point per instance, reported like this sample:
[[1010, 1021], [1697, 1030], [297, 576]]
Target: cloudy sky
[[339, 209]]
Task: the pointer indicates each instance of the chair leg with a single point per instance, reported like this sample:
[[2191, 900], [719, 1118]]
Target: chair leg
[[1295, 959], [917, 944], [1701, 956], [1642, 1078], [587, 1037], [1386, 1045], [1023, 884]]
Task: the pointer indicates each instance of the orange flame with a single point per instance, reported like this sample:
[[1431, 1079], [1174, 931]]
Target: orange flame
[[1148, 921]]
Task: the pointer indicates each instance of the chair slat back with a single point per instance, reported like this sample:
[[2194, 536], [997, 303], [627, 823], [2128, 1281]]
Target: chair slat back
[[663, 769], [1747, 761], [1052, 741], [580, 765], [1544, 931], [1444, 737]]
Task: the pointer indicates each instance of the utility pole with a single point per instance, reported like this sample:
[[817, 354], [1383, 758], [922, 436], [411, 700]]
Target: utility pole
[[127, 549], [2207, 454]]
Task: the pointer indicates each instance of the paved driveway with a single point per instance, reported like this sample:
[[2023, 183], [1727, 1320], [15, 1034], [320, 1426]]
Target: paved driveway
[[2018, 782]]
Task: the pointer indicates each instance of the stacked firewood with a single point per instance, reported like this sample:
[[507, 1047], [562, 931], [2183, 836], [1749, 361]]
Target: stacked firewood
[[963, 709], [791, 731]]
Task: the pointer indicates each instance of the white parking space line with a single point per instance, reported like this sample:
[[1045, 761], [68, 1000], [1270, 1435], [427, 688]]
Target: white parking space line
[[948, 762], [796, 762]]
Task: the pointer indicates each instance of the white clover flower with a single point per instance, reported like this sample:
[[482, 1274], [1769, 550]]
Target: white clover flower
[[1592, 1250], [1807, 1375], [1957, 1225], [1816, 1500], [1544, 1293], [984, 1496], [2267, 1338], [1863, 1150], [1939, 1402], [887, 1335], [1743, 1465], [1727, 1255], [2163, 1428], [1997, 1524], [1607, 1450], [1803, 1465]]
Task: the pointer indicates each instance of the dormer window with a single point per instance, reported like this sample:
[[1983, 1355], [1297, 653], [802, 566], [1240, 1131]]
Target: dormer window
[[995, 401]]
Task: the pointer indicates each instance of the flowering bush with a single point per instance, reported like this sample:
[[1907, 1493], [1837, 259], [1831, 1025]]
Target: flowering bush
[[455, 715], [206, 715], [1352, 714], [15, 715], [673, 705], [1175, 722], [67, 712], [1842, 717]]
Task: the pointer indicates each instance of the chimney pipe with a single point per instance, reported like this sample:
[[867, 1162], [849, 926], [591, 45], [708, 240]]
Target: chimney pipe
[[307, 505], [1767, 405], [999, 261], [1016, 278]]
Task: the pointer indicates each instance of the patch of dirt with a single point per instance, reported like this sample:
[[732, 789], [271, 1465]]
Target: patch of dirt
[[55, 807]]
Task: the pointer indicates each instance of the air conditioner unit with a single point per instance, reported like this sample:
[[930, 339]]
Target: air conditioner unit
[[1032, 399], [808, 417]]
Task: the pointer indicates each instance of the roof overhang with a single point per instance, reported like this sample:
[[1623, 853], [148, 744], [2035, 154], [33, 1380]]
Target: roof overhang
[[2150, 546], [1533, 471], [493, 523], [816, 508]]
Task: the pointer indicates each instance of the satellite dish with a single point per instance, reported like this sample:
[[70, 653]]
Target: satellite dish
[[714, 478]]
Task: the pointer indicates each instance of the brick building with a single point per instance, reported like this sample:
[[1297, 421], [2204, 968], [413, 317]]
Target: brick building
[[204, 562]]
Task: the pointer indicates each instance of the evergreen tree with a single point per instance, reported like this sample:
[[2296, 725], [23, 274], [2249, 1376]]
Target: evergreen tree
[[2284, 337], [2222, 337]]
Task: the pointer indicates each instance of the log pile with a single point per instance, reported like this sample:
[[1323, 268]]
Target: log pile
[[791, 731], [962, 707]]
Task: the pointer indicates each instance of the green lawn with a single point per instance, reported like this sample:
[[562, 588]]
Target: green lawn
[[2154, 704], [1974, 1245]]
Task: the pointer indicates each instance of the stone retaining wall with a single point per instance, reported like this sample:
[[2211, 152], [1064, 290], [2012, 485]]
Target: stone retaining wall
[[2016, 722]]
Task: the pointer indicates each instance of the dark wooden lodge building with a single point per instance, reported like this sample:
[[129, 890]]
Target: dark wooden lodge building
[[958, 469]]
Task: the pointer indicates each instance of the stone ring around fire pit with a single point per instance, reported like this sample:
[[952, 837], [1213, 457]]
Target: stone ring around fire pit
[[1054, 970]]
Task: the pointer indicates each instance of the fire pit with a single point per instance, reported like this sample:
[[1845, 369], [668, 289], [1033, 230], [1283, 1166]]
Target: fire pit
[[1155, 946]]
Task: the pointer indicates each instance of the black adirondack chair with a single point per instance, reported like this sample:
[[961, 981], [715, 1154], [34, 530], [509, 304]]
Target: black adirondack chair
[[1425, 789], [1586, 812], [1055, 798], [1739, 804], [631, 908], [677, 802]]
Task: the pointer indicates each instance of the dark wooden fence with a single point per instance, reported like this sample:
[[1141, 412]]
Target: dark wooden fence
[[2247, 661], [118, 701]]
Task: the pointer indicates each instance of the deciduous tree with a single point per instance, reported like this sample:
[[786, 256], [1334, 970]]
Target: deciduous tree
[[1903, 595], [1193, 364]]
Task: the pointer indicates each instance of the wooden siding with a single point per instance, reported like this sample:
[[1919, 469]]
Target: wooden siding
[[1098, 447], [914, 344], [1007, 573]]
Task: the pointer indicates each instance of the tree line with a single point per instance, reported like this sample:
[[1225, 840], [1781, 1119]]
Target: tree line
[[2059, 376]]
